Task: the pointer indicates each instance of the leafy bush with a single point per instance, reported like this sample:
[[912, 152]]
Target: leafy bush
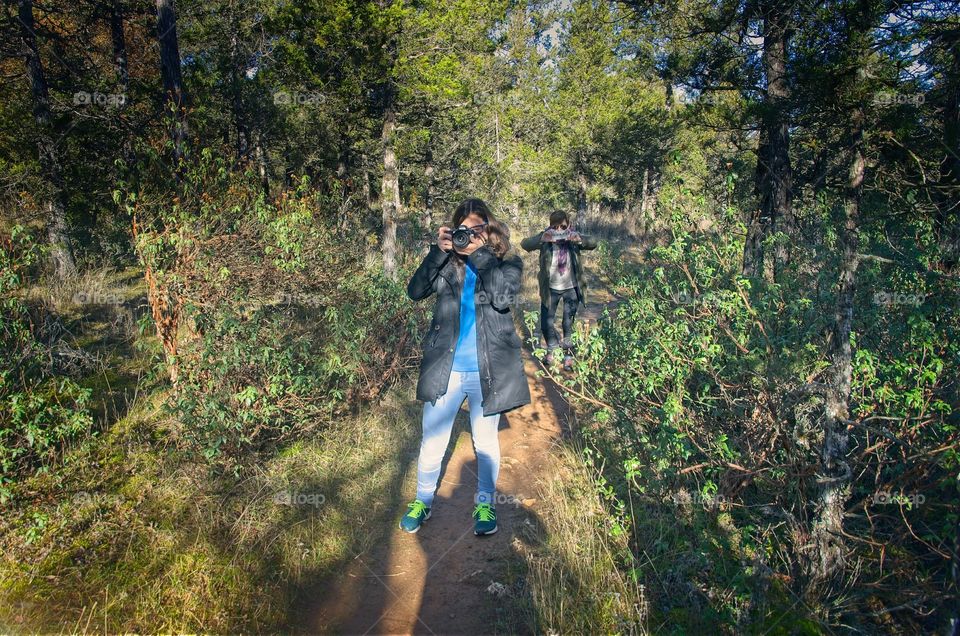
[[282, 324], [699, 415], [39, 410]]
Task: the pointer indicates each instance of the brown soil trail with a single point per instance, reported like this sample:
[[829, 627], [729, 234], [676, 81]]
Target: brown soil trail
[[443, 579], [438, 580]]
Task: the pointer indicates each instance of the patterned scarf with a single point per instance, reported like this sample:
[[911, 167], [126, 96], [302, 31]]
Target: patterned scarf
[[563, 257]]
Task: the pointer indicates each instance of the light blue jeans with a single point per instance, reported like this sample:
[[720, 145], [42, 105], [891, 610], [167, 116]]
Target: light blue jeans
[[437, 425]]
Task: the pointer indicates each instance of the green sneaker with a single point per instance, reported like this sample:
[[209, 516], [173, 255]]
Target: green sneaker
[[486, 519], [416, 515]]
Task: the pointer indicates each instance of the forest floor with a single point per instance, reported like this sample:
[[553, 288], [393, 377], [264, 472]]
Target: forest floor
[[443, 579], [133, 536]]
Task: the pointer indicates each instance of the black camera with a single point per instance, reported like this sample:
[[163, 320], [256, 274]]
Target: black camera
[[461, 237]]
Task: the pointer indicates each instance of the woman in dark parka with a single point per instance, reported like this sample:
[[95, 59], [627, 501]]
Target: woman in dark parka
[[471, 351]]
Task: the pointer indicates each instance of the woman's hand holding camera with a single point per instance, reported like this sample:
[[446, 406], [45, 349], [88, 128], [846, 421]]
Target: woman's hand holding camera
[[552, 235], [476, 241], [444, 238]]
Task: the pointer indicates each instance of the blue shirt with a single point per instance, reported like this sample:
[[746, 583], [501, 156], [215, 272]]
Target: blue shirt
[[465, 355]]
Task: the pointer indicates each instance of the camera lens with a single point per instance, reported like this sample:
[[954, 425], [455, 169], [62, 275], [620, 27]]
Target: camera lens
[[461, 237]]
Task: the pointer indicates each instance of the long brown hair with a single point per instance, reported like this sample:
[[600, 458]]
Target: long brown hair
[[498, 234]]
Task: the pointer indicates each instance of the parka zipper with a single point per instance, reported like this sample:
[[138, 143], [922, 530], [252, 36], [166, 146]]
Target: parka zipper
[[483, 346]]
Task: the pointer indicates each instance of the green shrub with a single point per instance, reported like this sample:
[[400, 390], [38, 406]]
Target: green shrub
[[283, 324], [39, 410], [703, 446]]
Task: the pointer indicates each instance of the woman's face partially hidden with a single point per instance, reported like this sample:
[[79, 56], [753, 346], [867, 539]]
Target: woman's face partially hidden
[[476, 222]]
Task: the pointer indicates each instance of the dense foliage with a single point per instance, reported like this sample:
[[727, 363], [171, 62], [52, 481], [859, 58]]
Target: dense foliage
[[40, 407], [775, 186]]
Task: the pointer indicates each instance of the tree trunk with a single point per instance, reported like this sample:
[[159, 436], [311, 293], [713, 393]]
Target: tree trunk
[[390, 190], [121, 68], [757, 222], [773, 156], [119, 47], [172, 80], [779, 182], [429, 192], [367, 188], [649, 199], [61, 252], [827, 530], [948, 214], [240, 123], [581, 197], [263, 165], [632, 214], [668, 100]]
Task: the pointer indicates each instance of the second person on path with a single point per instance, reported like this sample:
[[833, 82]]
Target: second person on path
[[560, 278]]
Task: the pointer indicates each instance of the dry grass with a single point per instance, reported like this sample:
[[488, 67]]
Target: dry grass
[[574, 584], [103, 286], [146, 540]]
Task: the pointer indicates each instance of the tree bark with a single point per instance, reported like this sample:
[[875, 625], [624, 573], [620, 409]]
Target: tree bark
[[119, 47], [948, 200], [121, 68], [367, 188], [668, 101], [263, 165], [582, 207], [651, 184], [172, 79], [390, 190], [429, 192], [757, 222], [240, 122], [61, 252], [774, 172], [835, 484]]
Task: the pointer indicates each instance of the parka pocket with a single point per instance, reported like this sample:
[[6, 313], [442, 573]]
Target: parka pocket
[[509, 335], [428, 338], [433, 335], [514, 339]]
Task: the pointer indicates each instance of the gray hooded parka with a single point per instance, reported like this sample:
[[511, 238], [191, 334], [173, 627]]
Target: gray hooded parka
[[503, 383]]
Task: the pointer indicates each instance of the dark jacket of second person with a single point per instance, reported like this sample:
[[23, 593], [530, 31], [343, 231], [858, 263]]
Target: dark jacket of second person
[[546, 255]]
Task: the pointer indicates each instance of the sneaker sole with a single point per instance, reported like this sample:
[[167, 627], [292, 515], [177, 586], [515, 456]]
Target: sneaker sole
[[414, 531], [483, 534]]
